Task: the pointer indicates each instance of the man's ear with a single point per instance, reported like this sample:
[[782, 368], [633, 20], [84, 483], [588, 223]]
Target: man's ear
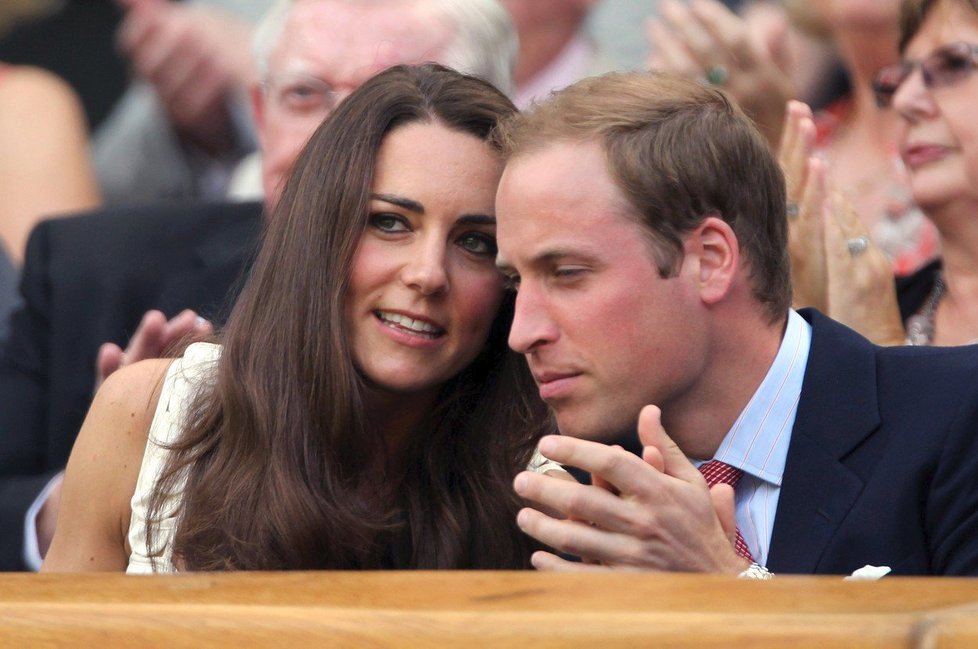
[[714, 245]]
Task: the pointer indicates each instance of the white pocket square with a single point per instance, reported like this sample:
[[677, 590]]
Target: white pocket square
[[868, 573]]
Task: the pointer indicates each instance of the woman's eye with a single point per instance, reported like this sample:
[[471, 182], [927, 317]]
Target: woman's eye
[[954, 63], [478, 243], [388, 222]]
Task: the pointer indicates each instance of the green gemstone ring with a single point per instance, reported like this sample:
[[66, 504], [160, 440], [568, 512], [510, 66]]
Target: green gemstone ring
[[717, 74]]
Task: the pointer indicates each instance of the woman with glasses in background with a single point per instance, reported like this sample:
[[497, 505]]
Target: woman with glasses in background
[[933, 90]]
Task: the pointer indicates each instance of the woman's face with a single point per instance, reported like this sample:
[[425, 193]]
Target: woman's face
[[939, 136], [424, 288]]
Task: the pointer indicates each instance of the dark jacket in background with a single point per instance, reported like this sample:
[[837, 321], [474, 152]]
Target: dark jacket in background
[[87, 280]]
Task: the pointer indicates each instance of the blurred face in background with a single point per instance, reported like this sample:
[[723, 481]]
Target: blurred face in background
[[326, 50], [938, 139]]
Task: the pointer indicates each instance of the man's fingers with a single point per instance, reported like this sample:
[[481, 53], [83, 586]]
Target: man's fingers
[[653, 457], [601, 483], [722, 496], [551, 562], [674, 461], [576, 538], [625, 471], [574, 500]]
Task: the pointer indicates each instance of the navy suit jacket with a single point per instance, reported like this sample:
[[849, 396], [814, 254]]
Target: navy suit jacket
[[882, 468], [86, 280]]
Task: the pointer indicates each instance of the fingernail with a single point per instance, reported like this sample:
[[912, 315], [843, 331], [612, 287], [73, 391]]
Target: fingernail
[[547, 445], [519, 483]]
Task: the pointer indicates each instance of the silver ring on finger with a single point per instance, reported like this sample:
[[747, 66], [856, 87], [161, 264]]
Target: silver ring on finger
[[858, 245]]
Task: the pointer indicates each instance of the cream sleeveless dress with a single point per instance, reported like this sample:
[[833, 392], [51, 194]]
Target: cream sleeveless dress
[[184, 379]]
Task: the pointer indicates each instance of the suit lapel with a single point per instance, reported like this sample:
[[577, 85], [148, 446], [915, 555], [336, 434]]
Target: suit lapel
[[837, 411]]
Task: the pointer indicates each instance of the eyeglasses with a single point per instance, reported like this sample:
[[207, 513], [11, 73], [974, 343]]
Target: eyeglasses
[[945, 66], [301, 95]]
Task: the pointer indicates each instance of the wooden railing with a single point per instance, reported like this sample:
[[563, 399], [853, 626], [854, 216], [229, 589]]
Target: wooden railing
[[483, 609]]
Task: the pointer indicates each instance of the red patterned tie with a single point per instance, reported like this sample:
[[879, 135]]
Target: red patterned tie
[[716, 472]]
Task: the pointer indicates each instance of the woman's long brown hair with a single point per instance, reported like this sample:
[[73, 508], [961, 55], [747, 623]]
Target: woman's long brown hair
[[280, 458]]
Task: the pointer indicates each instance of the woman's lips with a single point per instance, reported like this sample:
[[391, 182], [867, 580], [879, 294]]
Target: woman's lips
[[918, 155]]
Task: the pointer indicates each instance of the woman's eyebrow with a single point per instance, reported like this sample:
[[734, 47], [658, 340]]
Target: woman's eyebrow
[[477, 219], [400, 201], [416, 207]]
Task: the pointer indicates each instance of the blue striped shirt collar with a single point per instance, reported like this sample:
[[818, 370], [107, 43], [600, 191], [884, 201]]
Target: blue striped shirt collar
[[758, 440]]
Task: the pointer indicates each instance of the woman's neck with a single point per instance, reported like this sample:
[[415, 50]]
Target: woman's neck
[[956, 318]]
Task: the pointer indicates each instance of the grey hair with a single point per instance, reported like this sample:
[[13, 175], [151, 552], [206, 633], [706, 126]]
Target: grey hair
[[267, 32], [485, 43]]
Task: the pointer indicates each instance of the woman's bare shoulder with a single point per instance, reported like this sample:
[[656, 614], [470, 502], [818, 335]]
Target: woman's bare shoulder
[[102, 471], [133, 389]]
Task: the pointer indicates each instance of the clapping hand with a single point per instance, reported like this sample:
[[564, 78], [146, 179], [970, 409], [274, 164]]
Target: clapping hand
[[705, 40]]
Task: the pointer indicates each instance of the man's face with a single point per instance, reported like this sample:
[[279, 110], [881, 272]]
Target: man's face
[[326, 50], [602, 332]]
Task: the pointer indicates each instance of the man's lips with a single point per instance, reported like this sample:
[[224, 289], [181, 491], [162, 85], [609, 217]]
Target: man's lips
[[553, 385]]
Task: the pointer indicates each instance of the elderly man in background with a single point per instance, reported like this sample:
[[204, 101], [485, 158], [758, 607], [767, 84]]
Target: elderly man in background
[[183, 123]]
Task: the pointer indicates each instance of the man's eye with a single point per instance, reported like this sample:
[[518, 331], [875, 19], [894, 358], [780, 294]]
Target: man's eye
[[305, 97], [568, 272], [512, 283], [478, 243]]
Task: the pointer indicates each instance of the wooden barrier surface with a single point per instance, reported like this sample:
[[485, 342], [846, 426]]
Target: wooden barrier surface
[[483, 609]]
